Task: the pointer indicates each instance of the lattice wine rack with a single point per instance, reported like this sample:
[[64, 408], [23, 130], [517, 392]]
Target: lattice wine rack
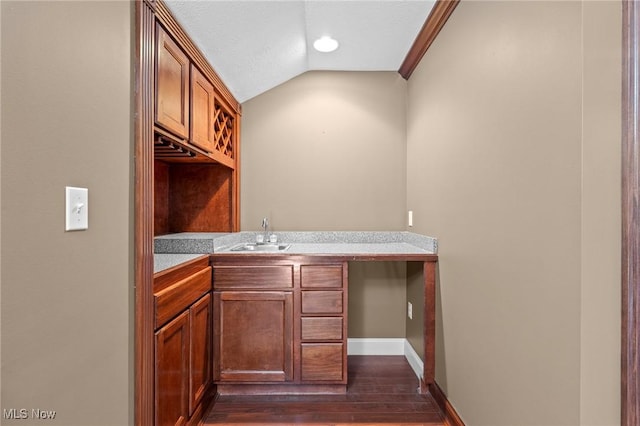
[[223, 123]]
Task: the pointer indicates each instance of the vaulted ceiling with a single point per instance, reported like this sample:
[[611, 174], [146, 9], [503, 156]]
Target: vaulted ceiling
[[257, 45]]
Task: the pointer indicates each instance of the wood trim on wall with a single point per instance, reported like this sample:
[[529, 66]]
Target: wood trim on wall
[[432, 26], [143, 216], [451, 417], [630, 386], [429, 324], [147, 14]]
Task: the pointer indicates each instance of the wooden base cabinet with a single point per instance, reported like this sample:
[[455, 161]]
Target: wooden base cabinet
[[279, 321], [172, 372], [183, 366], [183, 343], [254, 336]]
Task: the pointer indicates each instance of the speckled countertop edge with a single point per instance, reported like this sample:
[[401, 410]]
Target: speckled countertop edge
[[163, 261], [187, 242], [330, 242]]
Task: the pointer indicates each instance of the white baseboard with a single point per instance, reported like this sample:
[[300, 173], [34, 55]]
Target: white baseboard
[[375, 346], [386, 346], [413, 359]]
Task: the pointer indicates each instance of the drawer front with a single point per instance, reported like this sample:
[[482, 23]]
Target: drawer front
[[315, 276], [322, 302], [225, 277], [322, 328], [172, 300], [322, 362]]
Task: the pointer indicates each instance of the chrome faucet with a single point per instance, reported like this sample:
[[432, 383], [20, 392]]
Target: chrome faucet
[[265, 228], [266, 237]]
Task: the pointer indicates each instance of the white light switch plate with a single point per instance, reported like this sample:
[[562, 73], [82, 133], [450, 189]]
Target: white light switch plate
[[76, 209]]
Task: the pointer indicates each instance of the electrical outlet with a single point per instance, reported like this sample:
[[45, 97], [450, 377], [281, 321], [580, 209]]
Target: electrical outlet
[[76, 209], [409, 310]]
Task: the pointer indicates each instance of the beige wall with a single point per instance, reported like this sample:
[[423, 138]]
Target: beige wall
[[513, 148], [377, 299], [326, 151], [600, 308], [66, 296]]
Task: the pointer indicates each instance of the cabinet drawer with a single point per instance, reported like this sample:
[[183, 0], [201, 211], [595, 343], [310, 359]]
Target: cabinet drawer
[[322, 302], [175, 298], [225, 277], [322, 362], [322, 328], [321, 276]]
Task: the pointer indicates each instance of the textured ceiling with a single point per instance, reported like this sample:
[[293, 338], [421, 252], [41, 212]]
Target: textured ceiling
[[257, 45]]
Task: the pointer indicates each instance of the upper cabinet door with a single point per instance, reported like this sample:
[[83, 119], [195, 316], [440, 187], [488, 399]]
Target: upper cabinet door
[[172, 85], [201, 111]]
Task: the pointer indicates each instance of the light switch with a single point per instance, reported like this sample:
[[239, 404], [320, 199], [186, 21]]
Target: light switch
[[77, 209]]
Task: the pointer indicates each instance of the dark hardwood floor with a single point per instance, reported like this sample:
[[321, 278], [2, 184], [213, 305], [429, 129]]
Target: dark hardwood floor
[[381, 390]]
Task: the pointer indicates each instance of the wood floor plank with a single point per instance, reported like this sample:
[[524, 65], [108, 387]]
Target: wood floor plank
[[381, 390]]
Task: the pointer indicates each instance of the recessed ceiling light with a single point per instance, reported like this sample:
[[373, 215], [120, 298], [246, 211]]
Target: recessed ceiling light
[[325, 44]]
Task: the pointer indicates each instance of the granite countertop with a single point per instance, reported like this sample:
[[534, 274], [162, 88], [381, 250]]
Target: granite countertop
[[168, 248], [162, 261]]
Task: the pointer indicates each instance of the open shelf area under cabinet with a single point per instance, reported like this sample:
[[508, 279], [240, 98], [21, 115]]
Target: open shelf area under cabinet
[[193, 197]]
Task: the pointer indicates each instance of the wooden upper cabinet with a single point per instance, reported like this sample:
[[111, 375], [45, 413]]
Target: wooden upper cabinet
[[192, 104], [202, 95], [172, 85]]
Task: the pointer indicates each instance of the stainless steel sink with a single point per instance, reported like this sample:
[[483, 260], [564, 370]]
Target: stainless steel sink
[[268, 247]]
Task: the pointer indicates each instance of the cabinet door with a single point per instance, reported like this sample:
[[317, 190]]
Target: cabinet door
[[253, 336], [200, 350], [172, 372], [201, 111], [172, 85]]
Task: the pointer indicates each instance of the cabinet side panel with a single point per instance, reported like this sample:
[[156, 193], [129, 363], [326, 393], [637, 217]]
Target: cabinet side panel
[[160, 198]]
